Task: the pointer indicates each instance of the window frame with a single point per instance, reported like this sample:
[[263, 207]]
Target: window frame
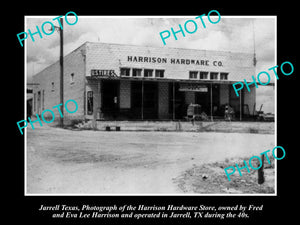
[[52, 86], [148, 70], [194, 73], [205, 73], [214, 76], [222, 74], [159, 72], [135, 70], [72, 75], [127, 69]]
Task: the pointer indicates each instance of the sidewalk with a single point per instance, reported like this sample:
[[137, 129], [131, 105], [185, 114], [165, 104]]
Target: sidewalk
[[198, 126]]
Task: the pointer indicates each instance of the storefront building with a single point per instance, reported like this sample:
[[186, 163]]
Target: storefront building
[[127, 82]]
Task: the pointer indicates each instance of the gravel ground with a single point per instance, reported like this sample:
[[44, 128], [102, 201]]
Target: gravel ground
[[209, 179], [61, 161]]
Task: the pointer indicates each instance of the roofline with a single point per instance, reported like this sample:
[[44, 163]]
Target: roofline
[[162, 47], [104, 43], [57, 61]]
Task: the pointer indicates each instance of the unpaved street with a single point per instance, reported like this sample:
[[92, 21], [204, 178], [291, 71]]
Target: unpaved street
[[61, 161]]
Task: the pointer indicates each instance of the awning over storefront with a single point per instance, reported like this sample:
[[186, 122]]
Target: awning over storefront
[[101, 77]]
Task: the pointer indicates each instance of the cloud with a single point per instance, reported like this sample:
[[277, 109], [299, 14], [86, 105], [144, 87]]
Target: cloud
[[230, 34], [32, 58], [265, 95]]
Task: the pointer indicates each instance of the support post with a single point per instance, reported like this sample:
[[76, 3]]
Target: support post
[[211, 103], [142, 100], [241, 105], [173, 100], [260, 172]]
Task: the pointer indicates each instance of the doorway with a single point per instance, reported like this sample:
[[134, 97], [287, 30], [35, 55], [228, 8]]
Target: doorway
[[144, 100], [39, 111], [236, 101], [110, 98], [209, 100], [177, 104], [203, 99]]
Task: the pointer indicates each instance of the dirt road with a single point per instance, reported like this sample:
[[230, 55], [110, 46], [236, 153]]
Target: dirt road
[[63, 161]]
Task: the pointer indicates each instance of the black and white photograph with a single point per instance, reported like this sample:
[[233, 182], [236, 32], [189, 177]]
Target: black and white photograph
[[149, 118], [125, 116]]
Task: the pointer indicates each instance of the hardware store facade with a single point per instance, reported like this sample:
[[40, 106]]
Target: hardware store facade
[[127, 82]]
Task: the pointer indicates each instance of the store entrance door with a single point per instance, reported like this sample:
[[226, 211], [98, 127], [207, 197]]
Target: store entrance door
[[144, 100], [203, 99], [209, 99], [150, 101], [110, 98]]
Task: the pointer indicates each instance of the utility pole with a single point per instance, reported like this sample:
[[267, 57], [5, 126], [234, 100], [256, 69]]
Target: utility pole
[[61, 62], [254, 55], [61, 75], [260, 172]]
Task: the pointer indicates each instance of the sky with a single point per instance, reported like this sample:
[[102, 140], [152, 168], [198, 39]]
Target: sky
[[235, 34]]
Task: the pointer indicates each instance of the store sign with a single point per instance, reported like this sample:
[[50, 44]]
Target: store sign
[[103, 73], [193, 87], [200, 62]]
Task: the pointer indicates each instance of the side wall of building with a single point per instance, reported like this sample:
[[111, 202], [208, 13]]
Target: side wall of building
[[46, 92]]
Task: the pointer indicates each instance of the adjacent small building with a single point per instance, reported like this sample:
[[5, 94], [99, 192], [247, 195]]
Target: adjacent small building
[[127, 82]]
